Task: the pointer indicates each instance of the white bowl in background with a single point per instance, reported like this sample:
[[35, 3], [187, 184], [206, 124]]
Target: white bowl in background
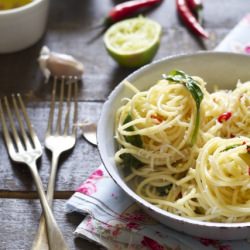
[[216, 68], [23, 26]]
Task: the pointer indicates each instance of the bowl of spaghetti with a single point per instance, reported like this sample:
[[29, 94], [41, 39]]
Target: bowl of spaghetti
[[175, 136]]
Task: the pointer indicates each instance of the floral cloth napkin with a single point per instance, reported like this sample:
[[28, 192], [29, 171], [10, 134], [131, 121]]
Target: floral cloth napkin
[[115, 221]]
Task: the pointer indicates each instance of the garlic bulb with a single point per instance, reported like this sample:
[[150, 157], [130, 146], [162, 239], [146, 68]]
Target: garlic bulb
[[59, 65]]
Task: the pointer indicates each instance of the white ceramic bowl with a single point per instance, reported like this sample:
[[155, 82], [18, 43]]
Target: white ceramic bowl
[[222, 69], [22, 27]]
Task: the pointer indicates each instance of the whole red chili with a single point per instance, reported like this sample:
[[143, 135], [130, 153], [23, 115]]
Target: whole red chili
[[196, 6], [129, 8], [224, 117], [189, 19]]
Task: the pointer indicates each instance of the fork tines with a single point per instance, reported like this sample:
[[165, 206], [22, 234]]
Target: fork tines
[[13, 115], [70, 86]]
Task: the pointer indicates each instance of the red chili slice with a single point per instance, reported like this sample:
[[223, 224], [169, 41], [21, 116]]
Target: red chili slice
[[157, 117], [224, 117]]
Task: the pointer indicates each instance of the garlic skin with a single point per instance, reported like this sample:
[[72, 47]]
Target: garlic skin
[[59, 65]]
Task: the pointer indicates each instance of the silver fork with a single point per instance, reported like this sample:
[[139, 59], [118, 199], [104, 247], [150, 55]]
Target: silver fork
[[26, 148], [57, 142]]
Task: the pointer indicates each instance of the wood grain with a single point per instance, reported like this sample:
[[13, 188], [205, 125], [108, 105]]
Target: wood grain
[[19, 221], [74, 166], [33, 194]]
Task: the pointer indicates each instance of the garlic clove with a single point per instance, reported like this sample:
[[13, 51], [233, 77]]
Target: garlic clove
[[59, 65]]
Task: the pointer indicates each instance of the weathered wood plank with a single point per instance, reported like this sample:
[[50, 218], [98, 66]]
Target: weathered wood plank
[[74, 166], [33, 194], [19, 222]]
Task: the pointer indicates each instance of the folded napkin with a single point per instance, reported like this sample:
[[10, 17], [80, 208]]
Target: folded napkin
[[115, 221]]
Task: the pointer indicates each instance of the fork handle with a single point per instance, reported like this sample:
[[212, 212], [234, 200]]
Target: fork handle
[[41, 239], [55, 237]]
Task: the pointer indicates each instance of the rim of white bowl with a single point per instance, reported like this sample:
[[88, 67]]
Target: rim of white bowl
[[115, 176], [21, 8]]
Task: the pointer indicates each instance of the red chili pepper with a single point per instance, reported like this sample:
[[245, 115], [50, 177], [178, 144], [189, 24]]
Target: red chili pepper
[[224, 117], [189, 19], [129, 8], [157, 118], [196, 6]]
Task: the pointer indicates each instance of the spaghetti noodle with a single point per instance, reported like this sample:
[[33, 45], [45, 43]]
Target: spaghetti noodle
[[222, 176], [240, 123]]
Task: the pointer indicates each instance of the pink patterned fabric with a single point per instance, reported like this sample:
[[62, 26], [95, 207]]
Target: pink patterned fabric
[[151, 244], [89, 187], [116, 222]]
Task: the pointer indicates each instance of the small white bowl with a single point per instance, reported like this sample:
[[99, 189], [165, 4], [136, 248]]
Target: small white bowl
[[23, 26], [216, 68]]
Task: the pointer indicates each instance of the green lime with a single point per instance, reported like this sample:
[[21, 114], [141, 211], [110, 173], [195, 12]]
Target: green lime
[[133, 42]]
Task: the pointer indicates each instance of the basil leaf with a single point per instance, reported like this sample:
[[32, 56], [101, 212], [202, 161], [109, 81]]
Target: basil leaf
[[231, 147], [235, 146], [132, 139], [164, 190], [175, 76], [178, 76], [130, 161]]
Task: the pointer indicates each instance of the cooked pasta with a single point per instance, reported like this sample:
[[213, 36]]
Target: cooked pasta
[[222, 176], [240, 123], [213, 106], [169, 166]]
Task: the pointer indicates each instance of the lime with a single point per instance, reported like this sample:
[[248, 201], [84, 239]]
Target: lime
[[133, 42]]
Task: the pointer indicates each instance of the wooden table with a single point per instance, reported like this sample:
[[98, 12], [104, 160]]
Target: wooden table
[[68, 32]]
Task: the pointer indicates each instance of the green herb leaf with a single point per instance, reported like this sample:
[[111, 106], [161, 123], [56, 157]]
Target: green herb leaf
[[133, 139], [231, 147], [178, 76], [128, 159], [164, 190], [237, 145]]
